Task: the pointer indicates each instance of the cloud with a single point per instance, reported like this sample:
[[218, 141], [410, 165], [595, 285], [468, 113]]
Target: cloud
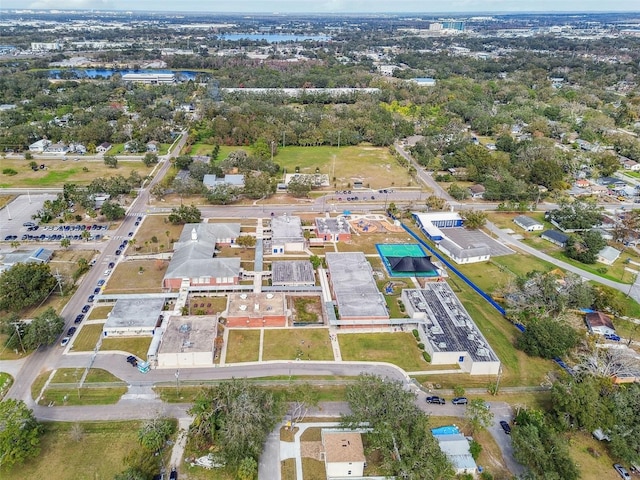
[[70, 4]]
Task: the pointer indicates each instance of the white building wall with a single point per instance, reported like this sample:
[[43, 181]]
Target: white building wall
[[345, 469]]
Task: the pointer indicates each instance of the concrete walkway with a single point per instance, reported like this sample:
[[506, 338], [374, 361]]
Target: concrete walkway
[[293, 450], [177, 453]]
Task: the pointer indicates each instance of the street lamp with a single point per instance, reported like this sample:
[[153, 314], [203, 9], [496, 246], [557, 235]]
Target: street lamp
[[177, 374]]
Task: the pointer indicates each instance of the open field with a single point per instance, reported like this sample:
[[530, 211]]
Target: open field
[[58, 172], [373, 165], [86, 338], [366, 242], [137, 276], [299, 343], [591, 456], [137, 346], [243, 346], [94, 392], [158, 227], [8, 353], [64, 454], [400, 348], [6, 381]]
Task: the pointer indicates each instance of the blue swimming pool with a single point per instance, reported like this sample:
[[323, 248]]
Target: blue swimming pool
[[446, 430]]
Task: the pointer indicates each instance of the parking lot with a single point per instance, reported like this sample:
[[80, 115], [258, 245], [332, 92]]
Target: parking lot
[[20, 211]]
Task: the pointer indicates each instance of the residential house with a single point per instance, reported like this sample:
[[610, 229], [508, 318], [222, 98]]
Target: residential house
[[460, 255], [343, 454], [424, 81], [456, 448], [554, 236], [476, 191], [598, 322], [58, 148], [582, 183], [153, 147], [77, 148], [211, 181], [103, 147], [39, 146], [608, 255], [527, 223], [629, 164]]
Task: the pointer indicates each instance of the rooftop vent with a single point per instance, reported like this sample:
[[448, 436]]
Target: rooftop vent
[[184, 328]]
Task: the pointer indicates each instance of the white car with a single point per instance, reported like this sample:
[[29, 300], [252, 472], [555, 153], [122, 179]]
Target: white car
[[107, 272], [64, 341]]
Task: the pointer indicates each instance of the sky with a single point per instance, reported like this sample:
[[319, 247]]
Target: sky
[[333, 6]]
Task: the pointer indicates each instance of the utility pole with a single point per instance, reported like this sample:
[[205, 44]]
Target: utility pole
[[339, 132], [283, 139], [15, 324]]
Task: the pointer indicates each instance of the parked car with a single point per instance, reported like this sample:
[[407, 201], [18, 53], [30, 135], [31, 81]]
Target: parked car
[[506, 427], [118, 252], [622, 471], [71, 331], [460, 401], [107, 272], [132, 360], [86, 308], [64, 341], [79, 318], [435, 399], [100, 283], [111, 264], [612, 336], [90, 298], [96, 290]]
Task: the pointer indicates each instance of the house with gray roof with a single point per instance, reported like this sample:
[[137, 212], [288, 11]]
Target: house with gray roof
[[471, 254], [211, 181], [456, 448], [36, 255], [286, 234], [527, 223], [608, 255], [554, 236], [194, 256]]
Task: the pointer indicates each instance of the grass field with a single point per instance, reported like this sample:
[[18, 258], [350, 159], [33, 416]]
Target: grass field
[[94, 392], [59, 172], [100, 313], [8, 353], [6, 381], [87, 337], [591, 457], [96, 453], [400, 349], [302, 343], [373, 165], [243, 346], [155, 226], [137, 276], [137, 346]]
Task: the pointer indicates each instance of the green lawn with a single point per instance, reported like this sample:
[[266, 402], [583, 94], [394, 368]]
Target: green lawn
[[58, 393], [100, 313], [6, 381], [401, 349], [137, 346], [297, 343], [87, 337], [374, 165], [243, 346], [96, 452], [59, 172]]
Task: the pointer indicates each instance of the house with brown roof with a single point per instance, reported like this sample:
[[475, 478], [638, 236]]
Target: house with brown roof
[[477, 191], [598, 322], [343, 454]]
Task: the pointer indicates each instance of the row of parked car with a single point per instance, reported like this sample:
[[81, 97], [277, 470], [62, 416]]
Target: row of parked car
[[442, 401]]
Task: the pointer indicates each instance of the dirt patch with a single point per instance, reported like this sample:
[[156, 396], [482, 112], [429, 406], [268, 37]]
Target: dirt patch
[[305, 309], [311, 450]]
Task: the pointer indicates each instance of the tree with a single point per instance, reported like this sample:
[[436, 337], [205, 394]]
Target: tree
[[300, 186], [65, 243], [44, 329], [578, 215], [479, 415], [153, 434], [183, 161], [585, 247], [302, 397], [248, 469], [474, 219], [259, 185], [246, 241], [19, 433], [25, 285], [538, 447], [222, 194], [158, 191], [150, 159], [400, 430], [236, 417], [458, 192], [113, 211], [316, 261], [110, 161], [547, 338], [185, 214], [436, 203]]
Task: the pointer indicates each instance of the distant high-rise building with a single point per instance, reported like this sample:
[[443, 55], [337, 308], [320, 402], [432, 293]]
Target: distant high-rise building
[[453, 25]]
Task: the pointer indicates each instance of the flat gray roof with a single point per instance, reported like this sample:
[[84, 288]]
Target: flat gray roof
[[334, 226], [135, 312], [285, 272], [466, 238], [189, 333], [355, 289], [286, 228], [526, 221], [448, 327]]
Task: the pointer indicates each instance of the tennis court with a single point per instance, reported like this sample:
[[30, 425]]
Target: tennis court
[[400, 250]]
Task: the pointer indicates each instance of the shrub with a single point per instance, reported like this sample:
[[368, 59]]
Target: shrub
[[421, 346], [416, 334], [426, 357], [9, 171], [474, 449]]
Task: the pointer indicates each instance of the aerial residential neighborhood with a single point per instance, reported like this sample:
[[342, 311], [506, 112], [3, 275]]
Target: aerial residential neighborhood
[[308, 246]]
